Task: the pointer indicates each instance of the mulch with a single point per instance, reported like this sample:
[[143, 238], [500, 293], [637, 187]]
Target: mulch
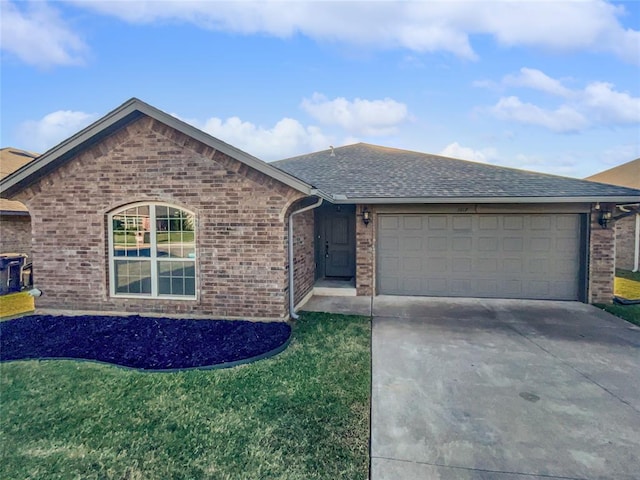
[[141, 342]]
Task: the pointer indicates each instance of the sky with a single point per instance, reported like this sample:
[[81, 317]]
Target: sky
[[548, 86]]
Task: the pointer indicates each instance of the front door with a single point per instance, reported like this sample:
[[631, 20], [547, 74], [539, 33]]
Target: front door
[[335, 250]]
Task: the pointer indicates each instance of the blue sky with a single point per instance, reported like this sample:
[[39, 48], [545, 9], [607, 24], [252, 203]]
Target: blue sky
[[549, 86]]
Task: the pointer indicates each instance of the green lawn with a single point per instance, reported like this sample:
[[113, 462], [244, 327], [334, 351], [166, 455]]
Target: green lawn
[[303, 414], [627, 284]]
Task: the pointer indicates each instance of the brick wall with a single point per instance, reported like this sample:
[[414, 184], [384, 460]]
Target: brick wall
[[304, 254], [365, 253], [15, 234], [625, 242], [602, 252], [241, 223]]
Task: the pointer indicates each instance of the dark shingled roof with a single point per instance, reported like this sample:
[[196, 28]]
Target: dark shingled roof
[[364, 171]]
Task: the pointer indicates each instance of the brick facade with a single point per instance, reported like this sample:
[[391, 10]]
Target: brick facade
[[625, 242], [304, 256], [15, 234], [240, 215], [602, 253], [365, 252]]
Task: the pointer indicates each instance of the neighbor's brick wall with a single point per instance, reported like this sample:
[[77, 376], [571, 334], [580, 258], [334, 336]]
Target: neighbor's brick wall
[[304, 253], [602, 253], [241, 239], [365, 253], [15, 234], [625, 242]]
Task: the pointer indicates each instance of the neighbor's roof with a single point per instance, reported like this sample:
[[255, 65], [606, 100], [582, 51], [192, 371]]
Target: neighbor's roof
[[364, 173], [11, 159], [625, 175], [126, 113]]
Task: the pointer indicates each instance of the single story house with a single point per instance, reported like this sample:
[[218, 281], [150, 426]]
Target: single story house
[[15, 224], [627, 217], [142, 212]]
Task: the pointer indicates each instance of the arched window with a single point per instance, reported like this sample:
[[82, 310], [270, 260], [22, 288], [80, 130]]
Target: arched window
[[152, 251]]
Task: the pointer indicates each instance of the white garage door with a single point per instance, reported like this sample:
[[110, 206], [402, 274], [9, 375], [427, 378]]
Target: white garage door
[[530, 256]]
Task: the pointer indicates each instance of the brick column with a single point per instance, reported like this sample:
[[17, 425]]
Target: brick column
[[602, 254], [365, 253]]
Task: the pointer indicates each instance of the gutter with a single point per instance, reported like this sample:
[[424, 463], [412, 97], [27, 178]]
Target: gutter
[[337, 199], [636, 254], [292, 312]]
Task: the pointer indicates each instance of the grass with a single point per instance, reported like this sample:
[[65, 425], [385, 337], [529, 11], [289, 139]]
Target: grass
[[627, 284], [303, 414]]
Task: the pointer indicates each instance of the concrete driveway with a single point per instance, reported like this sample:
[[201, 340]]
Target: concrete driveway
[[501, 389]]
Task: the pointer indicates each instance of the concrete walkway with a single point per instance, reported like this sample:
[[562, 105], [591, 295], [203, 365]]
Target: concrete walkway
[[497, 389]]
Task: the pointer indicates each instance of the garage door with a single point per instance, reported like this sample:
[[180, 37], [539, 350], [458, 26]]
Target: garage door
[[500, 256]]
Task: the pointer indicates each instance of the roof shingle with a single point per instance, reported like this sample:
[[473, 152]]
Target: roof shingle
[[364, 171]]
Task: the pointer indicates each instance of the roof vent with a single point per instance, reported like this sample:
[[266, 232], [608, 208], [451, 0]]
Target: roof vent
[[333, 153]]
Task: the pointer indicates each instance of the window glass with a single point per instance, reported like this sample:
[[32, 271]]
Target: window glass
[[153, 251], [176, 278], [133, 276]]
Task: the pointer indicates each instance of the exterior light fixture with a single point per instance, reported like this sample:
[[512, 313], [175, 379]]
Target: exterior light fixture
[[366, 216], [604, 218]]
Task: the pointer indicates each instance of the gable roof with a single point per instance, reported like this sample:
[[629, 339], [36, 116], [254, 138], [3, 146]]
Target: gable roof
[[364, 173], [625, 175], [126, 113], [11, 159]]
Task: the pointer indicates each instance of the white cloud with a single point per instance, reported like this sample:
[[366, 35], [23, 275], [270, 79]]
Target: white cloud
[[286, 138], [596, 104], [360, 116], [41, 135], [455, 150], [563, 119], [537, 80], [611, 106], [37, 36], [415, 26]]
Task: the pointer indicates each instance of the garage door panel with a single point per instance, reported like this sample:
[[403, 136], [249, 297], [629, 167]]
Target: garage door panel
[[461, 244], [504, 256], [513, 222], [388, 222], [541, 244], [389, 244], [437, 244], [462, 222], [437, 222], [488, 244], [411, 244], [513, 244], [488, 222], [459, 285], [435, 265], [412, 223]]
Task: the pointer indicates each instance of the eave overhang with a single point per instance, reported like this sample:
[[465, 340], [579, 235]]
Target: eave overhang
[[128, 112]]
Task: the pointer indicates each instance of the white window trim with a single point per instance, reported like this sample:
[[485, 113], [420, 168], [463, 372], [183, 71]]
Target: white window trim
[[153, 259]]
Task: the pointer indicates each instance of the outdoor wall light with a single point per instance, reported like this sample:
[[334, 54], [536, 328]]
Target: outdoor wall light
[[366, 217], [604, 218]]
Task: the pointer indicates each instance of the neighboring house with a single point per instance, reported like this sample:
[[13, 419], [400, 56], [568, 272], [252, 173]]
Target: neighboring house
[[15, 223], [627, 226], [142, 212]]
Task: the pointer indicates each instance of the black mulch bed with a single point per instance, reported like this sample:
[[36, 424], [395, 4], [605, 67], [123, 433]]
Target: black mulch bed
[[141, 342]]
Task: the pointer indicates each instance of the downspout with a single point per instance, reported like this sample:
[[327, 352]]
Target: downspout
[[292, 313], [636, 253]]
